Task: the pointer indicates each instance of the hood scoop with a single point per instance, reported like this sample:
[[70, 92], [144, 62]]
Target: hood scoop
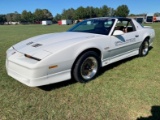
[[51, 43], [29, 43], [34, 45]]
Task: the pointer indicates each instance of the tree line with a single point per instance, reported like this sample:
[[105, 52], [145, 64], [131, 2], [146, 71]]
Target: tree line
[[27, 16], [71, 13]]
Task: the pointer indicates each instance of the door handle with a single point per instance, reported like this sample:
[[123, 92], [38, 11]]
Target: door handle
[[137, 36]]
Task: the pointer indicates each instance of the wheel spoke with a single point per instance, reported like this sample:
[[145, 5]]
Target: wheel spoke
[[89, 68], [145, 48]]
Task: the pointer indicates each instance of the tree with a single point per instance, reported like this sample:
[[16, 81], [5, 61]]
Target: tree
[[157, 14], [42, 14], [2, 19], [122, 11], [47, 15], [80, 13], [38, 15], [74, 14], [111, 12], [90, 12], [97, 12], [57, 18], [9, 17], [27, 16], [16, 17], [104, 11], [132, 14], [13, 17], [68, 14]]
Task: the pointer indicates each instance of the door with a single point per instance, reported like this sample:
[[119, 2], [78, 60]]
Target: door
[[126, 44]]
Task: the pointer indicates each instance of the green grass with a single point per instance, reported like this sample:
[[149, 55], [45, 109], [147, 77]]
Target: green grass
[[125, 90]]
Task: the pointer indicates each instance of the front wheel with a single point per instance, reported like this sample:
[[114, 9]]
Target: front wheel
[[144, 48], [86, 67]]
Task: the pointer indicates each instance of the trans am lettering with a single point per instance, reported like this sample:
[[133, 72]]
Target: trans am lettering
[[118, 43]]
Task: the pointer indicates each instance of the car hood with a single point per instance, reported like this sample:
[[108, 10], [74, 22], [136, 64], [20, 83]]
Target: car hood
[[44, 45]]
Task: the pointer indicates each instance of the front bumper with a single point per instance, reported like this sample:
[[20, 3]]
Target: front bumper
[[33, 82]]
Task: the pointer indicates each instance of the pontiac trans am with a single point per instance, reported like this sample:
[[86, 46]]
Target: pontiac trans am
[[78, 53]]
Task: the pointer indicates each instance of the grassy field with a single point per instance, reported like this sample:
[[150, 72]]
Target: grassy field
[[126, 90]]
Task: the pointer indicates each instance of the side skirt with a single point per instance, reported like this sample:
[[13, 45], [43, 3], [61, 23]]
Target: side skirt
[[119, 57]]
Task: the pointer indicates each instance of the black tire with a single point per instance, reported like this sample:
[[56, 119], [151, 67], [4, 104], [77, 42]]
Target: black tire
[[86, 67], [144, 48]]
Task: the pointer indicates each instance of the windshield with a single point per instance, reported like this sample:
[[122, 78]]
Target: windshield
[[97, 26]]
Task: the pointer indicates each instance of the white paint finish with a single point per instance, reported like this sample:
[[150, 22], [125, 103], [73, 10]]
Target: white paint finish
[[62, 49], [48, 79]]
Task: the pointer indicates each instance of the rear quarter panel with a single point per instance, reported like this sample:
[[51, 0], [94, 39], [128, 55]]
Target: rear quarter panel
[[146, 32]]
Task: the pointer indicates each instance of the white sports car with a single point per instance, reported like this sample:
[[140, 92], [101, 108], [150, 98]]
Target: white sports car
[[79, 52]]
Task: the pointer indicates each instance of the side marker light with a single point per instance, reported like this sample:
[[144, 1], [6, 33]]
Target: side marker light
[[54, 66]]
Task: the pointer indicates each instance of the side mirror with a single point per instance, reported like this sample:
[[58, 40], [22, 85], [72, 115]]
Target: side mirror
[[118, 32]]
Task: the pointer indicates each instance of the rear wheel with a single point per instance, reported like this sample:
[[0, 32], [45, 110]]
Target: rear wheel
[[144, 48], [86, 67]]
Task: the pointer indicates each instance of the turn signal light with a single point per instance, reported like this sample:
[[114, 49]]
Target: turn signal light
[[54, 66]]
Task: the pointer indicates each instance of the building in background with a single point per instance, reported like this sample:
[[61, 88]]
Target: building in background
[[46, 22], [65, 22]]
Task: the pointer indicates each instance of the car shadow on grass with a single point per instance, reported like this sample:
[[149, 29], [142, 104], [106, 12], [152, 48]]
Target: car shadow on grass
[[113, 65], [72, 81], [118, 63], [155, 114], [57, 85]]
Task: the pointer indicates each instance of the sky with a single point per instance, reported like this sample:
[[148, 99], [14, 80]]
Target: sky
[[57, 6]]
